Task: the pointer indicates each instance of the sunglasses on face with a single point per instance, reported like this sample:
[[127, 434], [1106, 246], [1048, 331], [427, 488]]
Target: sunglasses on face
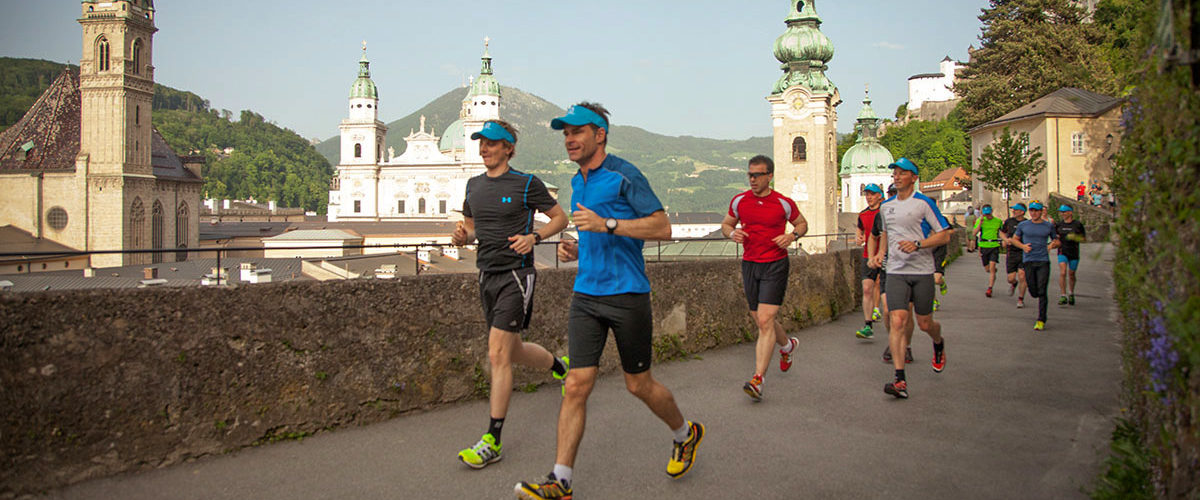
[[755, 175]]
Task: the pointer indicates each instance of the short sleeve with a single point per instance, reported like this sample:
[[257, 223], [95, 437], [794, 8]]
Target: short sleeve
[[860, 225], [934, 218], [877, 228], [733, 202], [1082, 232], [537, 196], [466, 209], [795, 209], [1019, 231], [637, 192]]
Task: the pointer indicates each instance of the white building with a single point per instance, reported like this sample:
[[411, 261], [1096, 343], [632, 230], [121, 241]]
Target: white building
[[933, 87], [866, 162], [427, 182]]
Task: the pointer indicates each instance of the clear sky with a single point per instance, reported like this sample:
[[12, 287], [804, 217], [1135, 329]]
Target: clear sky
[[699, 67]]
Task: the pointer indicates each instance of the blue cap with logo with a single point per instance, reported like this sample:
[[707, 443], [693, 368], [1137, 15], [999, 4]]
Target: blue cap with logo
[[1018, 206], [578, 116], [1036, 205], [495, 132], [1066, 208], [987, 210], [905, 164], [873, 188]]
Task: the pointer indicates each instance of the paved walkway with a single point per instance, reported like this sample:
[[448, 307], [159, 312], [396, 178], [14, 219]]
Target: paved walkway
[[1016, 414]]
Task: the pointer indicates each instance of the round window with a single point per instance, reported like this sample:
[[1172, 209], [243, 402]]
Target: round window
[[57, 218]]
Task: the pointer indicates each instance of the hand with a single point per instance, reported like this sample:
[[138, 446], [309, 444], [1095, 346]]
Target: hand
[[859, 240], [738, 236], [783, 240], [907, 246], [568, 251], [875, 262], [522, 243], [587, 220], [459, 236], [1025, 248]]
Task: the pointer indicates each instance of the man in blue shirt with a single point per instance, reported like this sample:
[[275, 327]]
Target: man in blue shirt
[[614, 211], [1036, 237]]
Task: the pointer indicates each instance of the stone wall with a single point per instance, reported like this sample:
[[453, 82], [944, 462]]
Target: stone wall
[[1095, 221], [95, 383]]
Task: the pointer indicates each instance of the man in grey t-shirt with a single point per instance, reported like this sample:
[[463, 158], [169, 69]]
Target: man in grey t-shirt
[[910, 267]]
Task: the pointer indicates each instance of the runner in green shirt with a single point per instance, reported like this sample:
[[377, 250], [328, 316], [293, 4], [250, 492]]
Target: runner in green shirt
[[987, 229]]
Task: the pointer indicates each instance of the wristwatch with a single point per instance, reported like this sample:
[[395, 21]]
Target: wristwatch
[[537, 238], [918, 243], [610, 225]]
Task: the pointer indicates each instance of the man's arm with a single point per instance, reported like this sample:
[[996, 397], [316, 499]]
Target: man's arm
[[464, 232], [524, 243], [879, 249], [655, 226], [730, 230]]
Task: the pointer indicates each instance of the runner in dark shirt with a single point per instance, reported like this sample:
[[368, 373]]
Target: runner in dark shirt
[[1013, 258], [1070, 232]]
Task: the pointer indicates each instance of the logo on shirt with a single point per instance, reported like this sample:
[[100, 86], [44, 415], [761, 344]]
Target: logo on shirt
[[506, 199]]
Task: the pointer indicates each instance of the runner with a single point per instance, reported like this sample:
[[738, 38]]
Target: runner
[[879, 261], [910, 267], [1012, 261], [987, 230], [1036, 237], [1070, 233], [506, 273], [764, 215], [870, 275], [615, 211]]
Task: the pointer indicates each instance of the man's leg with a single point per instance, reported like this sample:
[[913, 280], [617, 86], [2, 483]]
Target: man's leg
[[1023, 284], [868, 299], [1062, 278], [991, 269], [656, 397], [1071, 277], [770, 334], [505, 348], [572, 416]]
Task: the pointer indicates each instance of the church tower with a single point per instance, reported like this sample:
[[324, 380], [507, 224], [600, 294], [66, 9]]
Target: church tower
[[482, 104], [116, 83], [804, 119], [363, 144]]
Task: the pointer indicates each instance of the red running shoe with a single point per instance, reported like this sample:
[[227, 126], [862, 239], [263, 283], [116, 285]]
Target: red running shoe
[[785, 358], [989, 292]]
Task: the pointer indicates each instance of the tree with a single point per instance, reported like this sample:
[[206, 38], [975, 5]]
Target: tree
[[1008, 163], [1030, 49]]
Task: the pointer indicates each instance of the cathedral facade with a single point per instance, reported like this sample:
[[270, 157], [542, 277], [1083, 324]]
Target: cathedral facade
[[428, 181]]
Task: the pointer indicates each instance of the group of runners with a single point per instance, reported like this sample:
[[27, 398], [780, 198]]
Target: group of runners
[[615, 210]]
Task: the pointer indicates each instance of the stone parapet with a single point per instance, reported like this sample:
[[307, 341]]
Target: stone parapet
[[95, 383]]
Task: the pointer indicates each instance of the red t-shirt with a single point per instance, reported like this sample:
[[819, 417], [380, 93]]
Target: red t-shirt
[[1080, 190], [866, 220], [763, 219]]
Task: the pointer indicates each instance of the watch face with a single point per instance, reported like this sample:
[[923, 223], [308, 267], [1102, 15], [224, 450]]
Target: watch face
[[610, 223]]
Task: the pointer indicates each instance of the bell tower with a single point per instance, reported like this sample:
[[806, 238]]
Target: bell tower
[[482, 104], [804, 120]]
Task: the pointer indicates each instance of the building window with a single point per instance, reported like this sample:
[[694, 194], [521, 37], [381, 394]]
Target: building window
[[400, 206], [102, 54], [137, 56], [358, 150], [137, 229], [1077, 144], [442, 206], [357, 206], [379, 151], [57, 218], [799, 149], [182, 226], [137, 115], [421, 206], [156, 231], [1027, 188]]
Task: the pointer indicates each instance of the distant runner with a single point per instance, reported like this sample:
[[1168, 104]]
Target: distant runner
[[987, 230], [870, 275], [1036, 237], [1070, 233], [1012, 263]]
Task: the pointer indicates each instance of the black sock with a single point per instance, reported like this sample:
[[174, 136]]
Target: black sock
[[870, 323], [495, 427], [558, 367], [937, 346], [900, 374]]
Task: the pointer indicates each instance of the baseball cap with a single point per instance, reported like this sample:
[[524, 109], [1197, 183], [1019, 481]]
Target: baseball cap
[[873, 188], [905, 164], [495, 132], [987, 210], [1066, 208], [1018, 206], [579, 115], [1036, 205]]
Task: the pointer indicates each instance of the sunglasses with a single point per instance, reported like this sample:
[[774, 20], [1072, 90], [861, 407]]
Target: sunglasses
[[755, 175]]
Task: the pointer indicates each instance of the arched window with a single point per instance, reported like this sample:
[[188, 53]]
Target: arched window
[[137, 56], [182, 226], [358, 150], [156, 230], [137, 228], [799, 149], [421, 206], [102, 58]]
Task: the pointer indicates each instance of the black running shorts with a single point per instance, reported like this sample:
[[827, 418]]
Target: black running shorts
[[507, 298], [868, 272], [628, 316], [1013, 261], [765, 282], [916, 288], [989, 255]]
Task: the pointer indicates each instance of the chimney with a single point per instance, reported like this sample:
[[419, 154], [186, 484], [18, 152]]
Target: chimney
[[225, 204], [194, 165], [272, 206]]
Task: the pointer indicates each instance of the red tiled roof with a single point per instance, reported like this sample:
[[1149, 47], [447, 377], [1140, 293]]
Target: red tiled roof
[[950, 178]]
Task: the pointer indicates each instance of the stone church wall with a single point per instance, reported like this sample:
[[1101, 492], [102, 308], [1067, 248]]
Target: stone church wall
[[95, 383]]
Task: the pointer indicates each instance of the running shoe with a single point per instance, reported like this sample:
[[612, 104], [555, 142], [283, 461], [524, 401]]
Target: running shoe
[[1039, 326], [485, 452], [683, 455], [550, 489], [898, 388], [1012, 289], [876, 315], [887, 354], [1020, 303], [936, 304], [1071, 299], [939, 358], [785, 358], [566, 361], [1062, 300], [753, 388], [989, 292], [908, 354], [944, 288], [865, 332]]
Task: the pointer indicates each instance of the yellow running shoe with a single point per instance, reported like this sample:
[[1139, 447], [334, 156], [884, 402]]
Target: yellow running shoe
[[683, 455], [1039, 326], [485, 452]]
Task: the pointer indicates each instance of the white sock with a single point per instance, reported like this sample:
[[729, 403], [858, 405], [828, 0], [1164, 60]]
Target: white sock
[[681, 434], [788, 348], [563, 474]]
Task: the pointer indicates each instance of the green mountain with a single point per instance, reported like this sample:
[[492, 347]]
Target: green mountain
[[688, 173], [247, 158]]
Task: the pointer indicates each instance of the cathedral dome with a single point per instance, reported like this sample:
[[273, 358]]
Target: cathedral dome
[[364, 87], [866, 157], [486, 84], [453, 137]]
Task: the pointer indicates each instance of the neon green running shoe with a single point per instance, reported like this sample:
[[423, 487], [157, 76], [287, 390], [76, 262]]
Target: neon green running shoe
[[566, 361], [937, 304], [876, 315], [485, 452], [865, 333], [944, 288]]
